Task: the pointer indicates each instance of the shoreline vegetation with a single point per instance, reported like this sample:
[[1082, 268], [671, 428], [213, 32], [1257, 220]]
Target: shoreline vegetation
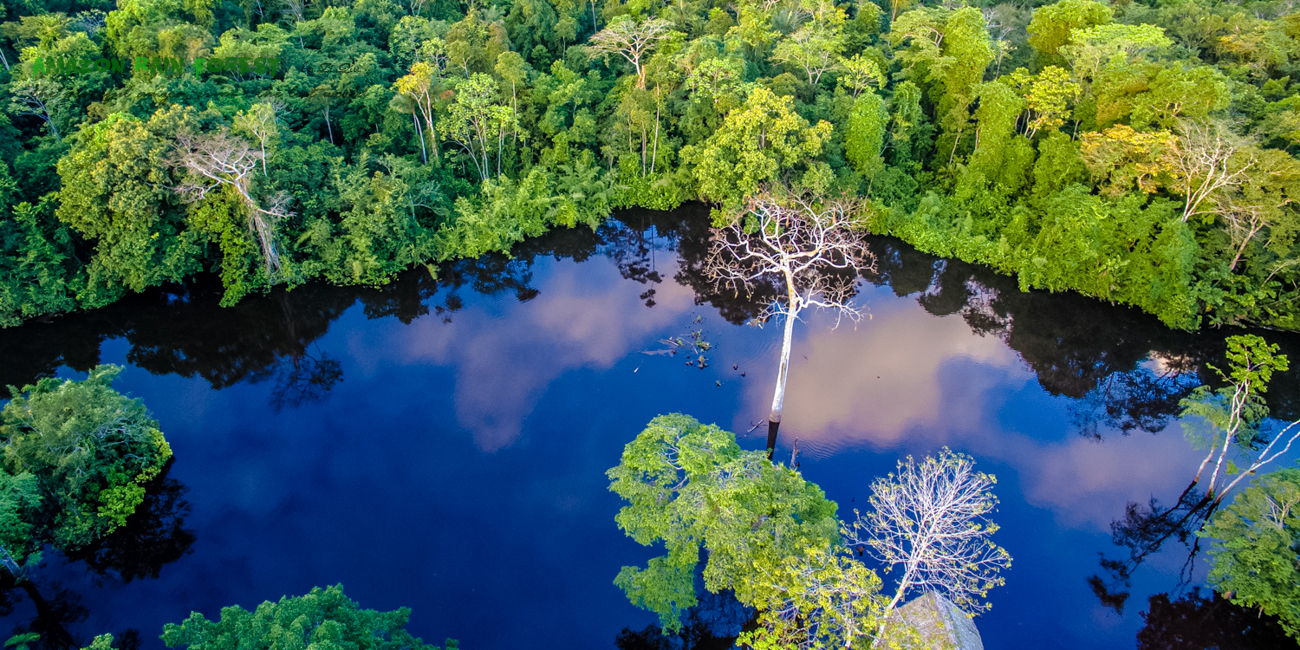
[[56, 66], [1135, 153]]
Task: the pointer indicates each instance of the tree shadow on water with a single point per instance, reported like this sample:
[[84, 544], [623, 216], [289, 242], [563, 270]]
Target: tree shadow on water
[[1196, 622], [153, 536], [712, 624]]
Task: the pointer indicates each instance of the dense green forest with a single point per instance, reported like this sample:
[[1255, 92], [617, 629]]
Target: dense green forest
[[322, 618], [1138, 153]]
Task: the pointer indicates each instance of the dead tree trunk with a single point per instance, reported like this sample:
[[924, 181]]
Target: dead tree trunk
[[811, 251], [782, 373]]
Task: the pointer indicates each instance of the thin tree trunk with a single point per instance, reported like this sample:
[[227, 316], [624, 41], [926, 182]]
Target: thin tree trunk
[[655, 156], [424, 153], [889, 610], [9, 563], [328, 127]]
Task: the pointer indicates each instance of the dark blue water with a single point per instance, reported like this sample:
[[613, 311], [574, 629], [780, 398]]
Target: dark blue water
[[441, 444]]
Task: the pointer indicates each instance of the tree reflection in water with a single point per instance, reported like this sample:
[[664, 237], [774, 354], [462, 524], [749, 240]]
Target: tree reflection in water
[[1195, 622], [712, 624], [155, 535], [305, 378], [1143, 531], [57, 608], [1124, 371]]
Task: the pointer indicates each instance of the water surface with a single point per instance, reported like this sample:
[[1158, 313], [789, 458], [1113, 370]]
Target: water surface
[[441, 443]]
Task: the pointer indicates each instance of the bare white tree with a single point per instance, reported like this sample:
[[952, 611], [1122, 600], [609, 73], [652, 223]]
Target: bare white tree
[[931, 520], [221, 159], [38, 98], [810, 251], [1231, 418], [1203, 162], [258, 122], [631, 39]]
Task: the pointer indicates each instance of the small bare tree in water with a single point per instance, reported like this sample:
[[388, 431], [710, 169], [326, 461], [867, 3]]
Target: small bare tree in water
[[930, 519], [1231, 423], [811, 250], [1230, 418], [221, 159]]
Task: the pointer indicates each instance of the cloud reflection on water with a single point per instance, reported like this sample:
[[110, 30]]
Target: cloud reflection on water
[[506, 355], [907, 381], [875, 383]]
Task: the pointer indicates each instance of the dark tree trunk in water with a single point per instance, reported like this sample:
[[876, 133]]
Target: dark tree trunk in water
[[772, 426]]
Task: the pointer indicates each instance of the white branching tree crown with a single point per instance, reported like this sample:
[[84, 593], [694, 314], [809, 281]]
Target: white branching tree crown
[[931, 520], [223, 160], [807, 252], [810, 250]]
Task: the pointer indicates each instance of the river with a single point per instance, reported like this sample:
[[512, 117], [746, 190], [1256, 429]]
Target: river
[[441, 444]]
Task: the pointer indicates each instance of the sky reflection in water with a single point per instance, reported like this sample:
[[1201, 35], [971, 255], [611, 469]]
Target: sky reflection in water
[[457, 467]]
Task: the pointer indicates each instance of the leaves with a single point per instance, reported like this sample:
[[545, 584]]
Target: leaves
[[1254, 554], [323, 618], [759, 142], [90, 451], [689, 486]]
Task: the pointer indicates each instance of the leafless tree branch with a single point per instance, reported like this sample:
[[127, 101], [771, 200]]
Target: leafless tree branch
[[221, 159], [930, 519], [810, 249]]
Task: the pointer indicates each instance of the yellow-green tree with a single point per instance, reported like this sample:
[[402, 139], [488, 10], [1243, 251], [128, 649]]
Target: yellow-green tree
[[763, 141]]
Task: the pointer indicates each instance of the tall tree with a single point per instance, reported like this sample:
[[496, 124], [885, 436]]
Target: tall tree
[[1232, 418], [221, 160], [690, 485], [763, 141], [1254, 551], [811, 251], [633, 40], [475, 120], [930, 520], [90, 449]]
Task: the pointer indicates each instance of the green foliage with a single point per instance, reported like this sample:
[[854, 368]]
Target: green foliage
[[1255, 548], [115, 194], [1052, 24], [323, 619], [821, 597], [1236, 409], [20, 500], [376, 139], [690, 486], [763, 141], [90, 449], [865, 139]]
